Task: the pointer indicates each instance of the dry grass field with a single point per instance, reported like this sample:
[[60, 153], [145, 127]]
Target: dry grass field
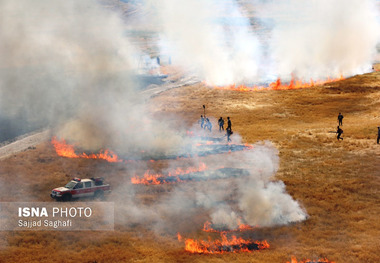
[[337, 182]]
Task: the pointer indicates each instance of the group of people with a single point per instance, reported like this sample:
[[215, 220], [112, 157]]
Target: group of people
[[339, 131], [206, 124]]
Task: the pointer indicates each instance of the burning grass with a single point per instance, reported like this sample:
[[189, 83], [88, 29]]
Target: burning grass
[[66, 150], [226, 243], [336, 182], [195, 174], [278, 85], [172, 177], [223, 245]]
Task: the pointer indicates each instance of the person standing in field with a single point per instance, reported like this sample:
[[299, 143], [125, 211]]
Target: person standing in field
[[229, 129], [208, 124], [340, 119], [202, 121], [229, 133], [378, 135], [221, 124], [229, 125]]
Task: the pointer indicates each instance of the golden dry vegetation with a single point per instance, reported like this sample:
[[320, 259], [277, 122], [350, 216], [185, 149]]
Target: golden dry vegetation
[[337, 182]]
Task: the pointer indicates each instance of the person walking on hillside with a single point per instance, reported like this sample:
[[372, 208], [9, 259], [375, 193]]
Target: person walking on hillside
[[378, 135], [340, 119], [208, 124], [339, 131], [229, 129], [221, 124], [202, 121], [229, 133]]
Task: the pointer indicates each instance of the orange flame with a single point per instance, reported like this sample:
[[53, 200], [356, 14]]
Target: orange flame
[[208, 228], [277, 85], [65, 150], [321, 260], [233, 244], [158, 178]]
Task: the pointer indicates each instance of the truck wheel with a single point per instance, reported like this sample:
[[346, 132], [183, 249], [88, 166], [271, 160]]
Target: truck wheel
[[66, 198], [99, 195]]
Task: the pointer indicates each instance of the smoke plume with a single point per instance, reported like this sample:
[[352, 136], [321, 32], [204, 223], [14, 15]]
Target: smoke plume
[[60, 59], [316, 39], [254, 199], [68, 64], [212, 38], [231, 42]]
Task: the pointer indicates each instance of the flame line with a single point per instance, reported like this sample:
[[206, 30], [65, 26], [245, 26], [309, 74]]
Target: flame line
[[233, 244], [277, 85], [65, 150]]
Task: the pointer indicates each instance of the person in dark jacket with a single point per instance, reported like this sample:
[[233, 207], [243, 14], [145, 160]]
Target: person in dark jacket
[[202, 121], [339, 131], [340, 119], [229, 125], [378, 135], [221, 124], [229, 133], [208, 124]]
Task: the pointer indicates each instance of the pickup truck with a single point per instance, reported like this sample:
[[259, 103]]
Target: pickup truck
[[79, 188]]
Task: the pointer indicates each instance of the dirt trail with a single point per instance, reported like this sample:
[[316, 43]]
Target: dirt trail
[[24, 143]]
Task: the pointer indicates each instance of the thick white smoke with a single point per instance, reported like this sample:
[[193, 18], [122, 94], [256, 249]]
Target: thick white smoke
[[261, 200], [56, 57], [70, 59], [69, 64], [212, 38], [317, 39], [269, 204], [227, 42], [254, 199]]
